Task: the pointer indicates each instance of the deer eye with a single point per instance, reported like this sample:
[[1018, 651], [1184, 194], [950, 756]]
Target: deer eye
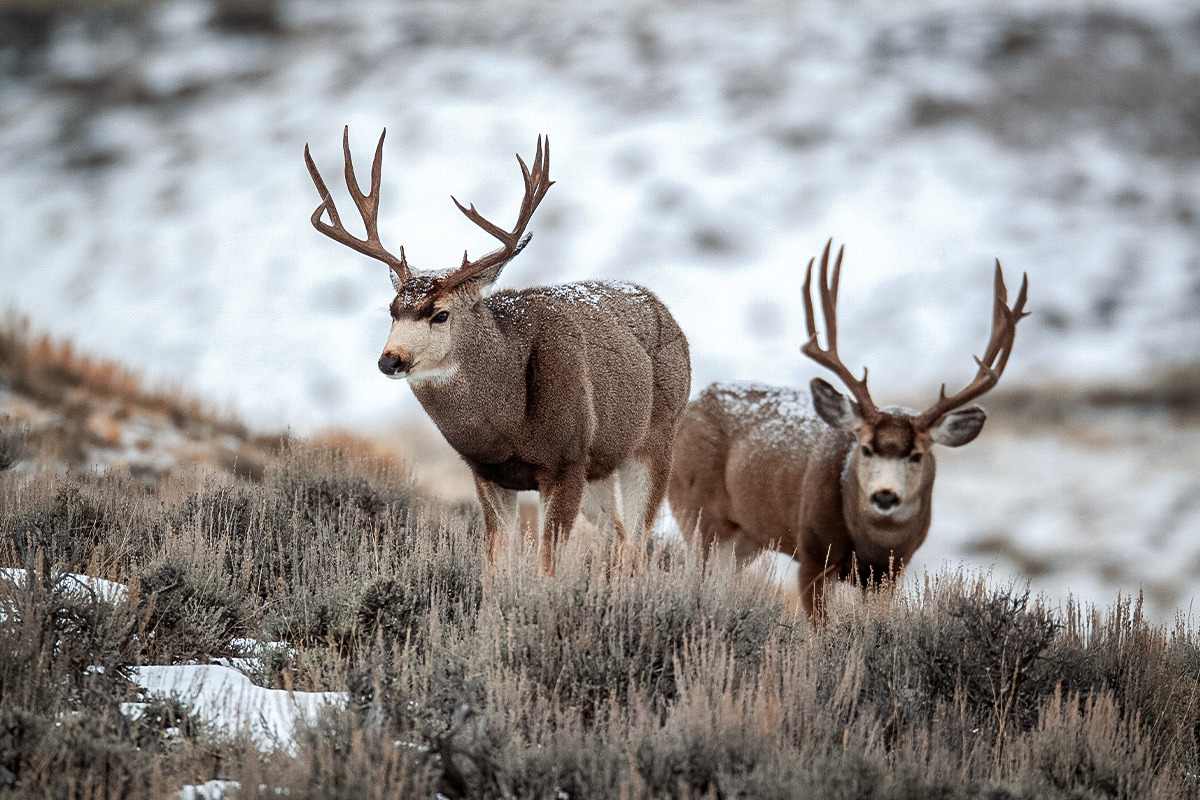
[[915, 458], [866, 451], [441, 316]]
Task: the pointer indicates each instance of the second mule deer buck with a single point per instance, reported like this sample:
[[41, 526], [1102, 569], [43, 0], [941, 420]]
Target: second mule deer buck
[[556, 389], [839, 484]]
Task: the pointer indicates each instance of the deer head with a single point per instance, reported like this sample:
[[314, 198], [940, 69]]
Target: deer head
[[429, 306], [892, 463]]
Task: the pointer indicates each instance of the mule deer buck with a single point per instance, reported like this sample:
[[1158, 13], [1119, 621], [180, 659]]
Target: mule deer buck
[[558, 389], [839, 484]]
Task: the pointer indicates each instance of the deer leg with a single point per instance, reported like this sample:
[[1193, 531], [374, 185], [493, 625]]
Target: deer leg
[[561, 498], [643, 481], [660, 475], [600, 506], [499, 513], [634, 480]]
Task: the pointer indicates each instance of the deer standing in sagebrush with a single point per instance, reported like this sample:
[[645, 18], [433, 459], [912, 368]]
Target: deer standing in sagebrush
[[839, 484], [557, 389]]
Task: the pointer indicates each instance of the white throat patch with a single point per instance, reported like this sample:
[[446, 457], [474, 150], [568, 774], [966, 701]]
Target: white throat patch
[[433, 376]]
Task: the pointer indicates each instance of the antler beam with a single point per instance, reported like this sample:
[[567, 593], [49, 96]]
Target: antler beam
[[537, 183], [368, 209], [995, 357], [829, 357]]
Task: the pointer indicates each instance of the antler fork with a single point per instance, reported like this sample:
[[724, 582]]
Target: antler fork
[[829, 357], [368, 209], [995, 357], [537, 183]]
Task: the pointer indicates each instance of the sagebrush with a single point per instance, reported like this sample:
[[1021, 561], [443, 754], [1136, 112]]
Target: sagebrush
[[473, 681]]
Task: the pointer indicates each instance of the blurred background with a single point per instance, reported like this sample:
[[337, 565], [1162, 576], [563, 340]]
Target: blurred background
[[156, 212]]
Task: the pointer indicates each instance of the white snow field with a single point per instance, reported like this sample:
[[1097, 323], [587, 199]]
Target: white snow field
[[157, 211]]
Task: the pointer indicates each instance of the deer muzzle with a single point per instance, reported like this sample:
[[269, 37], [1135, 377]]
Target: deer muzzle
[[393, 366], [885, 500]]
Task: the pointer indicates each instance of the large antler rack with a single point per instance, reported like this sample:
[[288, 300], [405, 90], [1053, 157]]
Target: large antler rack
[[368, 209], [829, 357], [537, 183], [995, 357]]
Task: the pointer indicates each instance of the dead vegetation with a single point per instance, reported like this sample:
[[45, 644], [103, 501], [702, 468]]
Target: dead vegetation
[[1173, 393], [666, 682], [69, 409], [474, 682]]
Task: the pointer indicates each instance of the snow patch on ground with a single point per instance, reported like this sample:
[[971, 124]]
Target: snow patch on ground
[[221, 695], [210, 790], [101, 589], [227, 700]]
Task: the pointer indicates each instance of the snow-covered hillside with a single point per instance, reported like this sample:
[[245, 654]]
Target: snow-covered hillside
[[156, 201]]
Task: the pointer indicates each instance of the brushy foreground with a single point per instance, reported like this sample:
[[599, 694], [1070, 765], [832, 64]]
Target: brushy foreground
[[660, 681]]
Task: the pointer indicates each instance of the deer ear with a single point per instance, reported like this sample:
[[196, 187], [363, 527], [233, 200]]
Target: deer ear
[[478, 282], [959, 427], [833, 407], [396, 282], [484, 280]]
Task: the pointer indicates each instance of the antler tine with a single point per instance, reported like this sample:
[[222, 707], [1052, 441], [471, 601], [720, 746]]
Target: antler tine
[[810, 322], [537, 183], [829, 295], [326, 198], [367, 204], [995, 356], [1002, 316], [829, 357]]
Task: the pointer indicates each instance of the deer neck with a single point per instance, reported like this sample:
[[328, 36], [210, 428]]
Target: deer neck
[[478, 399]]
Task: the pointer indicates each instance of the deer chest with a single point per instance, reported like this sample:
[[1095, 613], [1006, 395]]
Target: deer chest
[[514, 474]]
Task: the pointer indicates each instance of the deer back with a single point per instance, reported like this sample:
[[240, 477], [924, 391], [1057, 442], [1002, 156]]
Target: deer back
[[759, 458]]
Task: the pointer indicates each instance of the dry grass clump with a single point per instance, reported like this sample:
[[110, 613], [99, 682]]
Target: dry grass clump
[[206, 562], [50, 371], [78, 411], [956, 690], [662, 681], [65, 655]]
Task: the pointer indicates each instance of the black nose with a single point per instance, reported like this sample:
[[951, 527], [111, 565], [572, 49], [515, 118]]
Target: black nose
[[885, 499], [390, 365]]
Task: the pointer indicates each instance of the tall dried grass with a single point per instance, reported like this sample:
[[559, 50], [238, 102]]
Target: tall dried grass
[[54, 373], [661, 681], [77, 411]]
